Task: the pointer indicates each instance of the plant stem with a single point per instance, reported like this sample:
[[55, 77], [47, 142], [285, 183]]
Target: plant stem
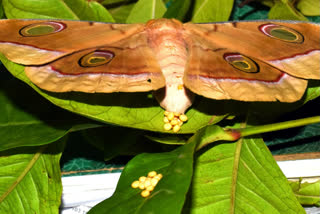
[[278, 126]]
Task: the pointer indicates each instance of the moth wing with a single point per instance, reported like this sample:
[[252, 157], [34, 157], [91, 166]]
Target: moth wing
[[82, 56], [252, 61]]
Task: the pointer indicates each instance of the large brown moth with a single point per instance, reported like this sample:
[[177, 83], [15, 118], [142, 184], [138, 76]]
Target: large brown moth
[[247, 61]]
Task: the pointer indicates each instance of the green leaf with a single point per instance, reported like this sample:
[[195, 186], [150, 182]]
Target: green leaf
[[239, 177], [89, 10], [139, 109], [2, 16], [121, 13], [145, 10], [26, 119], [176, 168], [283, 10], [211, 11], [53, 9], [30, 9], [170, 139], [178, 9], [307, 193], [30, 179], [309, 7], [268, 3], [313, 91], [110, 2]]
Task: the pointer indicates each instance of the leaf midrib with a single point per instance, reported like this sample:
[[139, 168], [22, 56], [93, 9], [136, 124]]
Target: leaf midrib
[[235, 171], [35, 122], [20, 123], [24, 172]]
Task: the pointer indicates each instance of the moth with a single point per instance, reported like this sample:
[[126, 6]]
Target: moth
[[247, 61]]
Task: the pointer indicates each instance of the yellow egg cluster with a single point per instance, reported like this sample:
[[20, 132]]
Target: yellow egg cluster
[[147, 184], [173, 120]]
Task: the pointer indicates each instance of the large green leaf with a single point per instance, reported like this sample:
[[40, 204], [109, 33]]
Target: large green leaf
[[121, 13], [211, 11], [169, 194], [136, 110], [30, 179], [240, 177], [89, 10], [308, 194], [29, 9], [176, 167], [27, 119], [309, 7], [284, 10], [145, 10], [53, 9]]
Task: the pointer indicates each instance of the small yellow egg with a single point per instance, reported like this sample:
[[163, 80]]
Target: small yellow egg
[[166, 120], [167, 126], [174, 122], [152, 174], [154, 181], [147, 183], [166, 113], [141, 186], [183, 117], [150, 188], [158, 176], [176, 128], [170, 116], [142, 178], [145, 193], [135, 184]]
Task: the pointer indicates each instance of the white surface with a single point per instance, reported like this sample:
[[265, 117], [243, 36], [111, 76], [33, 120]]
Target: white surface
[[300, 168], [80, 193]]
